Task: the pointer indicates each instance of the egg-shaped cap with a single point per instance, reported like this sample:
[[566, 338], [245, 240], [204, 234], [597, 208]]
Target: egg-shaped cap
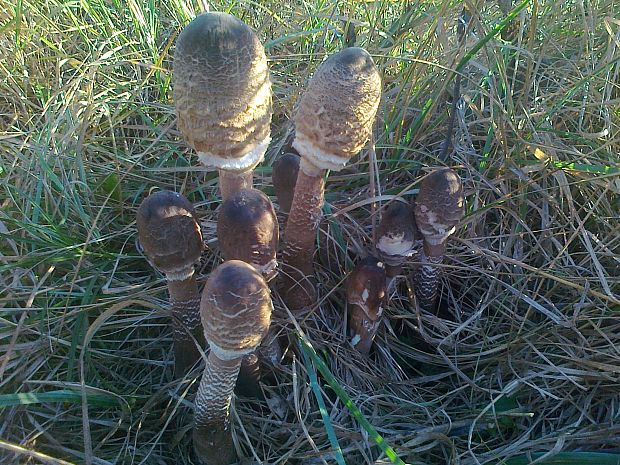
[[397, 234], [235, 309], [440, 205], [284, 178], [247, 230], [222, 92], [169, 233], [366, 286], [335, 116]]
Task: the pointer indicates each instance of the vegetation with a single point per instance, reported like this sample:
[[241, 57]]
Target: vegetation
[[523, 361]]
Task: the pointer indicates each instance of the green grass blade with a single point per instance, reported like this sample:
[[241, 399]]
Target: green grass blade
[[62, 395], [308, 350], [314, 384]]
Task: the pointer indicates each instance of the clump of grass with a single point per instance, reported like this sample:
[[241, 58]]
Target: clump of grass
[[523, 359]]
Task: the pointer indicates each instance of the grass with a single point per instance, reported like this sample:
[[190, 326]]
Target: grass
[[527, 368]]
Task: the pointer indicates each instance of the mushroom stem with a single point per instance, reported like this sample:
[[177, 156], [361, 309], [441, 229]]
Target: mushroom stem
[[211, 436], [186, 326], [232, 182], [428, 276], [298, 252]]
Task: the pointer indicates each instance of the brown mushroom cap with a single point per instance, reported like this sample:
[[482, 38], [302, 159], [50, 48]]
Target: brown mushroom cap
[[397, 234], [440, 205], [366, 286], [284, 177], [170, 234], [335, 116], [222, 92], [235, 309], [247, 230]]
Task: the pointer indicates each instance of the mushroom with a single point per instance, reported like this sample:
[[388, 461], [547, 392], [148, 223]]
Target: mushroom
[[236, 311], [365, 296], [333, 122], [247, 230], [170, 236], [284, 177], [222, 94], [439, 207], [397, 237]]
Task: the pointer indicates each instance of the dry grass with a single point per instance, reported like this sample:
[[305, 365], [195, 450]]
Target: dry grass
[[525, 357]]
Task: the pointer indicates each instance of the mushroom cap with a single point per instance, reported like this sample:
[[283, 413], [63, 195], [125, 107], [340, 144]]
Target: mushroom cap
[[335, 116], [440, 205], [284, 178], [397, 234], [235, 309], [222, 92], [169, 233], [366, 286], [247, 230]]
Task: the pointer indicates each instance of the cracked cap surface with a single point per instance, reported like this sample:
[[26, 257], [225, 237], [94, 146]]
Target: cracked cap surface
[[440, 205], [335, 116], [235, 309], [222, 91]]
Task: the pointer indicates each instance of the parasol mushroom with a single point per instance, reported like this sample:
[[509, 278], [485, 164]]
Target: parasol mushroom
[[333, 122], [439, 207], [170, 236], [222, 94]]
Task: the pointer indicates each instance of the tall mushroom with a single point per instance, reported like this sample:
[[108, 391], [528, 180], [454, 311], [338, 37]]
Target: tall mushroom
[[397, 237], [333, 122], [222, 94], [236, 311], [284, 177], [247, 230], [170, 236], [439, 207], [365, 296]]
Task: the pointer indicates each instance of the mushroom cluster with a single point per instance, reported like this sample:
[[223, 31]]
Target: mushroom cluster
[[222, 93]]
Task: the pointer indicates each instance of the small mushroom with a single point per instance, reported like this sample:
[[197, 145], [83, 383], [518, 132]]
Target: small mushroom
[[397, 237], [365, 296], [170, 236], [284, 177], [222, 94], [333, 123], [236, 312], [439, 207], [247, 230]]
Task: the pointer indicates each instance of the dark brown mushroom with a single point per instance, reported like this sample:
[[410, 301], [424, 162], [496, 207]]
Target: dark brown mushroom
[[439, 208], [333, 123], [236, 312], [397, 237], [222, 94], [284, 177], [170, 236], [365, 297]]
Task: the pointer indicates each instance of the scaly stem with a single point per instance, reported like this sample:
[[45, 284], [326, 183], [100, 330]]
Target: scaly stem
[[428, 276], [299, 238], [212, 436], [186, 326], [233, 181]]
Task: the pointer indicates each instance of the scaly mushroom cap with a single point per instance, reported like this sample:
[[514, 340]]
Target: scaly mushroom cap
[[366, 286], [397, 235], [439, 206], [170, 234], [222, 92], [335, 116], [247, 230], [284, 177], [235, 309]]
